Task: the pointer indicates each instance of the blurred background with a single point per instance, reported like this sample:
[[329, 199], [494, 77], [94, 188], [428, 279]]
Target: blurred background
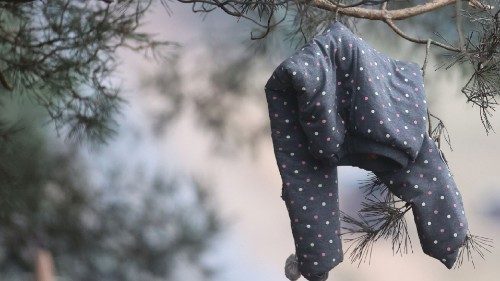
[[187, 188]]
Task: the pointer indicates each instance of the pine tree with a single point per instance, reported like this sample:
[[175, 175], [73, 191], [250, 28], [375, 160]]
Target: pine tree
[[49, 203]]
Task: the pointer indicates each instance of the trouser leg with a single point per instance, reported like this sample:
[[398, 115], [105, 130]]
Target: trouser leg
[[428, 185]]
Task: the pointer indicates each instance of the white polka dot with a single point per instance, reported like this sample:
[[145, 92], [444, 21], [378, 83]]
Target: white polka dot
[[387, 136], [429, 223], [455, 235], [304, 207], [423, 204]]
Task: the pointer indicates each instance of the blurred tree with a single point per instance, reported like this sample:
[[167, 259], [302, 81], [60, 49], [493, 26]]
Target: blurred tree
[[48, 201]]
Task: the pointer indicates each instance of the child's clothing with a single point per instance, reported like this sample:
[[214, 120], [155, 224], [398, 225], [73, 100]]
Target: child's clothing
[[338, 101]]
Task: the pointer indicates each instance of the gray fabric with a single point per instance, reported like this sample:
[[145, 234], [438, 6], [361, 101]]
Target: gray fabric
[[337, 101]]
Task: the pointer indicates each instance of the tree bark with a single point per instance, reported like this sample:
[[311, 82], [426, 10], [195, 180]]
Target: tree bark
[[44, 267]]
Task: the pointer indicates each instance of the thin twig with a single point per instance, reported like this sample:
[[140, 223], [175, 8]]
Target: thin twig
[[398, 31]]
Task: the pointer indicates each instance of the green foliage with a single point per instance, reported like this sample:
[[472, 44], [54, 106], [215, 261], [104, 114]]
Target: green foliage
[[95, 230], [62, 54]]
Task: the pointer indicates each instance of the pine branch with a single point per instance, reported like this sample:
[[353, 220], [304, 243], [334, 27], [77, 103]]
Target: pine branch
[[373, 186], [473, 245], [377, 219]]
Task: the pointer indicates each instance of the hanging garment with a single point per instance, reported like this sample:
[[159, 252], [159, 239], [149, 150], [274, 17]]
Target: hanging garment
[[338, 101]]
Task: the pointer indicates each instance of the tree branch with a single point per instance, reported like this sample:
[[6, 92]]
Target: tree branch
[[374, 14], [398, 31]]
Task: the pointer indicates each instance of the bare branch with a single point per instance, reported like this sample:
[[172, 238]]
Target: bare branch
[[373, 14], [398, 31]]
